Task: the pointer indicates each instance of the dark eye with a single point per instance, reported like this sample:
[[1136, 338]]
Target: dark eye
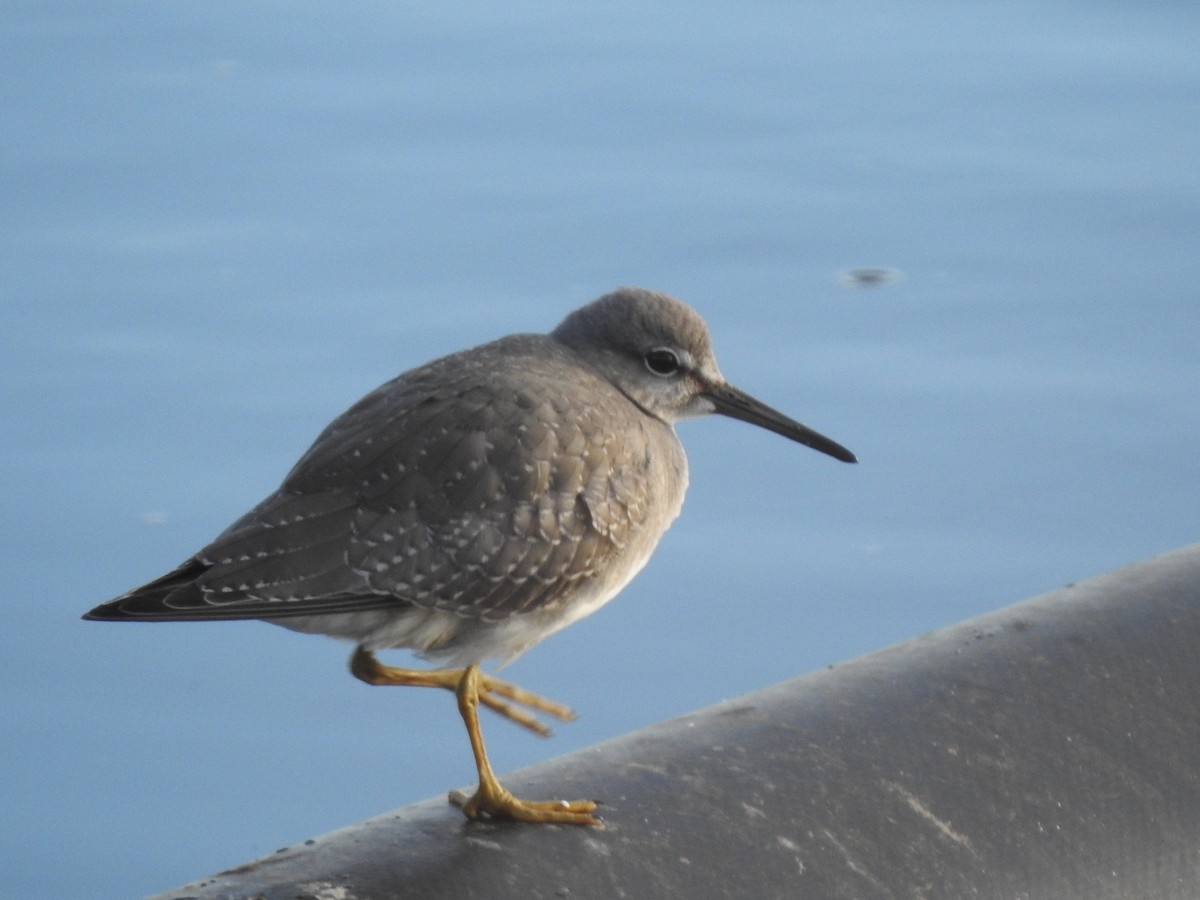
[[662, 361]]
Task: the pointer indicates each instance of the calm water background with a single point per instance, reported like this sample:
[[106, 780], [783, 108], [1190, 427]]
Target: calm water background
[[222, 223]]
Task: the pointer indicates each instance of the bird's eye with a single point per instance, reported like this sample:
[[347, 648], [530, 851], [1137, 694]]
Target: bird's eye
[[662, 361]]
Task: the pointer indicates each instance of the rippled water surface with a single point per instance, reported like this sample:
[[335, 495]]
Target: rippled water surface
[[960, 239]]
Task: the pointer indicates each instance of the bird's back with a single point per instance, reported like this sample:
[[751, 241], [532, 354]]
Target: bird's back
[[506, 480]]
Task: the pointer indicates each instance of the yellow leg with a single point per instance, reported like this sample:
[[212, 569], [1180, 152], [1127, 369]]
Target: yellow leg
[[492, 800], [493, 693]]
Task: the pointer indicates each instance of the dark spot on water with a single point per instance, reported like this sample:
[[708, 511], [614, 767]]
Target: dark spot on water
[[870, 277]]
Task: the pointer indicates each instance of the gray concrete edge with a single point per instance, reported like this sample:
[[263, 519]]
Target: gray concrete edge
[[1050, 749]]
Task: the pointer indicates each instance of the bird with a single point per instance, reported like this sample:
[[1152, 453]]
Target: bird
[[475, 505]]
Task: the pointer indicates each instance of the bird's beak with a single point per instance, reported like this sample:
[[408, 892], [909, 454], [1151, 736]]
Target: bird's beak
[[729, 401]]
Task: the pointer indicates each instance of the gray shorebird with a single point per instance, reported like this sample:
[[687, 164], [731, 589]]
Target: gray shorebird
[[473, 506]]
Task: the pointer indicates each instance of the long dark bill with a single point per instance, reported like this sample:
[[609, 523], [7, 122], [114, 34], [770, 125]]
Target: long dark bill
[[729, 401]]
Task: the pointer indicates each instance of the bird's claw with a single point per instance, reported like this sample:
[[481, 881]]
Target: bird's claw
[[495, 802]]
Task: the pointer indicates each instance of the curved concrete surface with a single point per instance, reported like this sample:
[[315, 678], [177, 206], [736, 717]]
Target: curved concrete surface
[[1049, 750]]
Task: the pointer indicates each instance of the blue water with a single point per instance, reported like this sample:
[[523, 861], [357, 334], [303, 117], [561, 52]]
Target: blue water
[[224, 222]]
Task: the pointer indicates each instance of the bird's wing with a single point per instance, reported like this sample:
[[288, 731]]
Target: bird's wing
[[464, 486]]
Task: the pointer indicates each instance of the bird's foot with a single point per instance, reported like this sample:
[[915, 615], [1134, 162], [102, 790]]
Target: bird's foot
[[502, 697], [495, 802]]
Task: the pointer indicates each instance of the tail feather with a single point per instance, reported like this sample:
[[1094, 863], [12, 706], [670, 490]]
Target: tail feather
[[178, 597]]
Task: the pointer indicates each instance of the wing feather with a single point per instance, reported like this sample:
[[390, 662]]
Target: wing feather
[[471, 485]]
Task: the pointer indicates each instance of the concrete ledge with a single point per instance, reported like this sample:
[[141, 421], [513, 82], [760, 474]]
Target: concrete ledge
[[1047, 750]]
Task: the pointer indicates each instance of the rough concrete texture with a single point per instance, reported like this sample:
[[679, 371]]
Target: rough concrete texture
[[1047, 750]]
